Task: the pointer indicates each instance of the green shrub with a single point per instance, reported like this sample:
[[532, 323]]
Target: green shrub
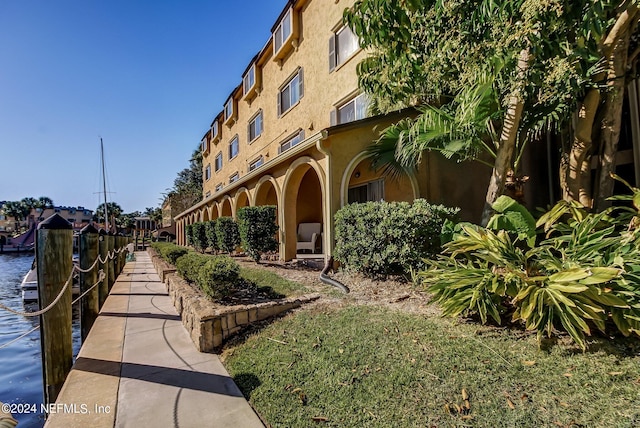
[[188, 231], [381, 238], [188, 266], [168, 251], [582, 272], [199, 234], [257, 226], [212, 239], [218, 276], [227, 234]]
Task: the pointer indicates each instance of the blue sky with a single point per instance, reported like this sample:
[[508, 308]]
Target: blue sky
[[146, 76]]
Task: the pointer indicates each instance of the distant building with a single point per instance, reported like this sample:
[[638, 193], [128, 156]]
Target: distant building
[[79, 217]]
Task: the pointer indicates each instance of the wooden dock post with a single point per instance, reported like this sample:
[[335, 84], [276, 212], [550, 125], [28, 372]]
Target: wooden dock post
[[54, 252], [111, 239], [103, 248], [90, 304]]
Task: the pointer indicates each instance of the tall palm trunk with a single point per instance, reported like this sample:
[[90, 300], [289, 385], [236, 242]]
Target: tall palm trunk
[[507, 144]]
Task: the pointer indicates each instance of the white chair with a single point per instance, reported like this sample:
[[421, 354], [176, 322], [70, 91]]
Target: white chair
[[308, 234]]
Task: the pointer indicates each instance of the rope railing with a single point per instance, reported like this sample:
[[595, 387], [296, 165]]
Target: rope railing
[[110, 256]]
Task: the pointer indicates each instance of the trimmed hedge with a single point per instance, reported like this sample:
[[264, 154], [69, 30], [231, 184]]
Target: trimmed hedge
[[218, 276], [169, 251], [210, 231], [188, 266], [200, 242], [188, 230], [227, 233], [257, 227], [382, 238]]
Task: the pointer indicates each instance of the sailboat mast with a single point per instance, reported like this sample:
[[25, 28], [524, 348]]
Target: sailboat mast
[[104, 188]]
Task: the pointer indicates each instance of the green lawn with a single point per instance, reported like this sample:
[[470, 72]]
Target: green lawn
[[265, 280], [372, 367]]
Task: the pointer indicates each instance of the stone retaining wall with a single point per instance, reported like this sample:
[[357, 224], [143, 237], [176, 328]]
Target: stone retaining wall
[[208, 323]]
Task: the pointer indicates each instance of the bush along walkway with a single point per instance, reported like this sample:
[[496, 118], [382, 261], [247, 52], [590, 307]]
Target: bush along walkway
[[140, 362]]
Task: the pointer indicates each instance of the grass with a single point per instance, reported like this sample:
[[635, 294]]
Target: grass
[[272, 283], [373, 367]]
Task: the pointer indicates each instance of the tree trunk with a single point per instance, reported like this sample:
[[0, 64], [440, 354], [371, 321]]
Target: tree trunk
[[508, 139], [615, 48], [576, 174]]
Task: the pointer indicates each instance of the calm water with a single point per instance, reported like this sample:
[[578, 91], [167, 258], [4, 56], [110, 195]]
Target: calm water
[[20, 363]]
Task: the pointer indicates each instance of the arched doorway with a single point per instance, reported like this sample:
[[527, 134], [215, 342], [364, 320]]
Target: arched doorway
[[303, 203], [242, 199], [225, 208]]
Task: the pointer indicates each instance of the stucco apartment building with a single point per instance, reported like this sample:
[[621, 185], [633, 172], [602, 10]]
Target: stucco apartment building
[[294, 134]]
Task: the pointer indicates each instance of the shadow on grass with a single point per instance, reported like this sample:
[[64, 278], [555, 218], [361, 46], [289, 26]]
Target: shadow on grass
[[248, 292], [247, 382]]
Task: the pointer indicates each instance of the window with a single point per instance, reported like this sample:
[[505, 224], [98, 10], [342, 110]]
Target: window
[[354, 109], [218, 187], [233, 148], [204, 145], [207, 172], [249, 80], [282, 32], [207, 194], [291, 92], [292, 141], [218, 161], [255, 127], [214, 130], [256, 163], [373, 191], [229, 110], [341, 46], [235, 177]]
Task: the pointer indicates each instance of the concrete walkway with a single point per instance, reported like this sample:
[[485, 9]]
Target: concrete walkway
[[139, 368]]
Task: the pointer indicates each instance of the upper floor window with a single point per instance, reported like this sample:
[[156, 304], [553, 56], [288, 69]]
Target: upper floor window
[[229, 110], [291, 141], [207, 172], [291, 92], [282, 31], [249, 80], [219, 187], [255, 127], [354, 109], [218, 161], [214, 130], [204, 145], [256, 163], [207, 194], [234, 147], [342, 44], [235, 177]]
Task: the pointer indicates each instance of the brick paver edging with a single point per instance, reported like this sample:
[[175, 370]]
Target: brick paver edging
[[209, 324]]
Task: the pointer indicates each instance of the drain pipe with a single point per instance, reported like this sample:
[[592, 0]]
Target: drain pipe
[[327, 280]]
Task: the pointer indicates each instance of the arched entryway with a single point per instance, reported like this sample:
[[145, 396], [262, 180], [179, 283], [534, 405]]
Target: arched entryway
[[361, 183], [303, 203], [225, 207], [242, 199]]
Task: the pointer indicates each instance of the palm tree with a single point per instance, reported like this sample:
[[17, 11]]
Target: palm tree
[[44, 202], [18, 211], [463, 128]]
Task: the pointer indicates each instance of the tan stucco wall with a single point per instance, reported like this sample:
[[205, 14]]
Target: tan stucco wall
[[322, 90]]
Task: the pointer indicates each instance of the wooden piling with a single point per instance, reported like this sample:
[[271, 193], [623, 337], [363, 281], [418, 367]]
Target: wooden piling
[[90, 304], [103, 249], [54, 252], [110, 263]]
